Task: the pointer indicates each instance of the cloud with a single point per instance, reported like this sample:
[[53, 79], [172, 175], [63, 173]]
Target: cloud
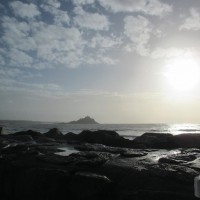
[[83, 2], [17, 34], [54, 3], [153, 7], [94, 21], [1, 6], [192, 22], [60, 16], [171, 52], [19, 58], [10, 73], [59, 45], [2, 61], [24, 10], [105, 42], [138, 30], [9, 84]]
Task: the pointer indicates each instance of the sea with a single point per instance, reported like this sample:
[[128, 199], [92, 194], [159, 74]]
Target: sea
[[128, 131]]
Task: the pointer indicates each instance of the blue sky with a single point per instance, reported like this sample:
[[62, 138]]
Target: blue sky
[[63, 59]]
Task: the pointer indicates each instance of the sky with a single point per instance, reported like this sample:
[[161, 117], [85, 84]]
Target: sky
[[118, 61]]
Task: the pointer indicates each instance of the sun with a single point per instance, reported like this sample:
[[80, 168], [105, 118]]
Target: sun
[[182, 74]]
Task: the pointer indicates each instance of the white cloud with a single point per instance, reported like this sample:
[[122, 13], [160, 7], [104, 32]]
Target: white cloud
[[54, 3], [65, 43], [83, 2], [104, 42], [88, 20], [153, 7], [170, 52], [24, 10], [138, 30], [16, 34], [192, 22], [19, 58], [60, 16]]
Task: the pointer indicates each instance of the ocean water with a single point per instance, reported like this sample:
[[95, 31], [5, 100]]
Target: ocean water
[[129, 131]]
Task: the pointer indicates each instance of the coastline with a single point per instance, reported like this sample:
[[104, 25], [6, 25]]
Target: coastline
[[103, 165]]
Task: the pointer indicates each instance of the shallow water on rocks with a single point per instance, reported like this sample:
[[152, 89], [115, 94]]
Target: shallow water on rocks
[[66, 151]]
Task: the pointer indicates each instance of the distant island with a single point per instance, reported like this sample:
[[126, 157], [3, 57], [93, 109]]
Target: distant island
[[85, 120]]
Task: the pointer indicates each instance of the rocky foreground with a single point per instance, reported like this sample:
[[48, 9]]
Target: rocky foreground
[[104, 165]]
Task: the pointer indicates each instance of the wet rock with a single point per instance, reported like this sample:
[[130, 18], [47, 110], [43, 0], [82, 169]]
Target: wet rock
[[87, 185], [133, 154], [170, 161], [54, 133], [91, 158], [100, 148], [14, 149]]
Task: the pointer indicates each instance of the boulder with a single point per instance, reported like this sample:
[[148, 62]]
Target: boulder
[[187, 140], [70, 136], [54, 133], [110, 138], [32, 133], [155, 140]]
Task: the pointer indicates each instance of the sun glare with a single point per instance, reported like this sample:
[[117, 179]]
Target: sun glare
[[182, 74]]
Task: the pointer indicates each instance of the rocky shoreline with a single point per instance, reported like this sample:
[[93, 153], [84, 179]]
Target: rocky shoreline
[[103, 165]]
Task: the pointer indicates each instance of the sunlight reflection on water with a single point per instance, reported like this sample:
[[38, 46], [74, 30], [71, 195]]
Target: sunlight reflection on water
[[66, 151]]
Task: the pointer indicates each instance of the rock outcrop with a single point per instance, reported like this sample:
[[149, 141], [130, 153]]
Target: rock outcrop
[[85, 120], [32, 169], [54, 133]]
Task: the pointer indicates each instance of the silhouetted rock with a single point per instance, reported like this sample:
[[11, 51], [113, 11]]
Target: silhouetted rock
[[109, 138], [85, 120], [70, 136], [29, 132], [155, 140], [32, 169], [54, 133], [167, 141], [187, 140]]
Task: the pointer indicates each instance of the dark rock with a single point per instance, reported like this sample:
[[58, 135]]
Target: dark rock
[[169, 161], [168, 141], [87, 185], [53, 133], [45, 140], [155, 140], [100, 148], [42, 184], [22, 138], [70, 136], [29, 132], [133, 154], [85, 120], [110, 138], [187, 140]]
